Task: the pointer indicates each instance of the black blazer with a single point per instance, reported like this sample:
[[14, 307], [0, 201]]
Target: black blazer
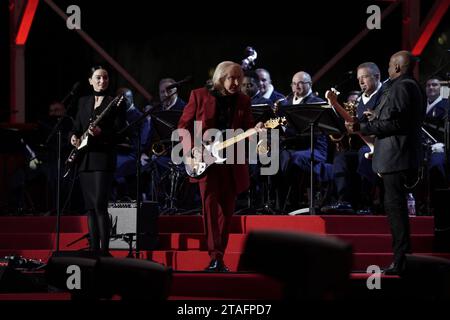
[[312, 98], [100, 153], [397, 126]]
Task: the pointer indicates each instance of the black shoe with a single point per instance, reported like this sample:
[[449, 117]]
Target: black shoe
[[365, 211], [395, 269], [340, 207], [216, 265]]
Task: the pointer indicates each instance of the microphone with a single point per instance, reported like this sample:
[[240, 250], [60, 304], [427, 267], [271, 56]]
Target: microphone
[[179, 83], [72, 92], [75, 88]]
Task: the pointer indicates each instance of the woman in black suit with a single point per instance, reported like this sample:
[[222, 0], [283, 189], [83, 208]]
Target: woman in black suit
[[97, 161]]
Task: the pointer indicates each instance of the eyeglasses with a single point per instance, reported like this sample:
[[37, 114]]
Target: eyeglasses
[[294, 84]]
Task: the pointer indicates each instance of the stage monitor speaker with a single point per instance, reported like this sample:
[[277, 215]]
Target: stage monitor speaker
[[90, 277], [124, 220], [135, 279], [61, 266], [441, 242], [309, 266], [427, 277], [14, 281]]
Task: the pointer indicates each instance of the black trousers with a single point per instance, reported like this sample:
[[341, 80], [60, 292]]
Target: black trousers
[[396, 187], [96, 186]]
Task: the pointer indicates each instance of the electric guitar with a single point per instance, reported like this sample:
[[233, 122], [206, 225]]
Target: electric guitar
[[331, 96], [196, 168], [76, 151]]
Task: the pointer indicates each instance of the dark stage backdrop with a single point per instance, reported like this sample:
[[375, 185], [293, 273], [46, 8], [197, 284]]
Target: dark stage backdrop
[[154, 40]]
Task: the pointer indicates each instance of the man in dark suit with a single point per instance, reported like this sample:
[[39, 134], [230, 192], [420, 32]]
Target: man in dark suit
[[292, 159], [302, 90], [351, 169], [265, 85], [250, 87], [396, 124], [436, 113], [169, 98]]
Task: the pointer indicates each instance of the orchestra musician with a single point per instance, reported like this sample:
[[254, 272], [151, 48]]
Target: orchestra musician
[[351, 169]]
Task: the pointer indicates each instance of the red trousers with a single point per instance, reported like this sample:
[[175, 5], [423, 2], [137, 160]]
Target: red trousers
[[218, 202]]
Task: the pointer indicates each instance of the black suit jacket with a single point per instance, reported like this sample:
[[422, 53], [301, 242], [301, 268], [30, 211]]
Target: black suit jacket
[[100, 153], [312, 98], [397, 126]]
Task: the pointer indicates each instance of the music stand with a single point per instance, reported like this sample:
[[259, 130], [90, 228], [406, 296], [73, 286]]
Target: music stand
[[263, 112], [314, 118], [164, 122]]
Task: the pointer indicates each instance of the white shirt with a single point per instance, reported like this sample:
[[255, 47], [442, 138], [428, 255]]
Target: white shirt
[[172, 104], [366, 99], [298, 100], [431, 105], [268, 92]]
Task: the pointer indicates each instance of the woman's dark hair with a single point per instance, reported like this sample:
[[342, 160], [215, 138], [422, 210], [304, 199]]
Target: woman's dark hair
[[95, 68]]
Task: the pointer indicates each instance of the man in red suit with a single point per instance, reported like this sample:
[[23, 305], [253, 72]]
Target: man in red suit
[[222, 106]]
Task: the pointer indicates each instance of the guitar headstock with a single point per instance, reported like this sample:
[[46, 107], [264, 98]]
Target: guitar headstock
[[273, 123], [119, 99], [332, 95]]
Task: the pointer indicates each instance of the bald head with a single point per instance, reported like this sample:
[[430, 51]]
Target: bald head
[[400, 63], [301, 84]]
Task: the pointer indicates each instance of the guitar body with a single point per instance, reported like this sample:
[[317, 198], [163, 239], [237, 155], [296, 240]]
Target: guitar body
[[73, 157], [331, 96], [196, 169]]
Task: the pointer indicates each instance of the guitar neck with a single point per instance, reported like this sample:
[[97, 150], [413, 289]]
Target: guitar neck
[[236, 139], [99, 118], [342, 111]]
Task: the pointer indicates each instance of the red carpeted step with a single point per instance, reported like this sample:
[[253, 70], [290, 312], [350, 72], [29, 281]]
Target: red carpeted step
[[42, 241], [27, 224], [361, 243], [195, 241], [374, 224], [240, 224]]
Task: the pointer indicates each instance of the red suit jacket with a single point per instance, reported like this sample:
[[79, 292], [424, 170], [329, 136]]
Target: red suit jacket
[[202, 107]]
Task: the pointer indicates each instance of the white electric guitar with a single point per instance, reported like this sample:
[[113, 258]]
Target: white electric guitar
[[196, 168], [331, 96]]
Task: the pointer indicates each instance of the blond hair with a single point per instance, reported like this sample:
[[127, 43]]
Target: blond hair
[[221, 72]]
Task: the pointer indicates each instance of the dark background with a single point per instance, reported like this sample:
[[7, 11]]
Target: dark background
[[155, 39]]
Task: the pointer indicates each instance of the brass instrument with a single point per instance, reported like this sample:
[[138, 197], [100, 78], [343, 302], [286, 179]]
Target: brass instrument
[[341, 143], [159, 149], [263, 147]]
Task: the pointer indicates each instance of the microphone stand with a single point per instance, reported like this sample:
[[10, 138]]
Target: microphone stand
[[57, 129], [137, 123]]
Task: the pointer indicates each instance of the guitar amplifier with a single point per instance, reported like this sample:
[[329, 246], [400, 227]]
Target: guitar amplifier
[[126, 223]]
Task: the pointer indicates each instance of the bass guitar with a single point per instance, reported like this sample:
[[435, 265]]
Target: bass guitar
[[331, 96], [197, 168]]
